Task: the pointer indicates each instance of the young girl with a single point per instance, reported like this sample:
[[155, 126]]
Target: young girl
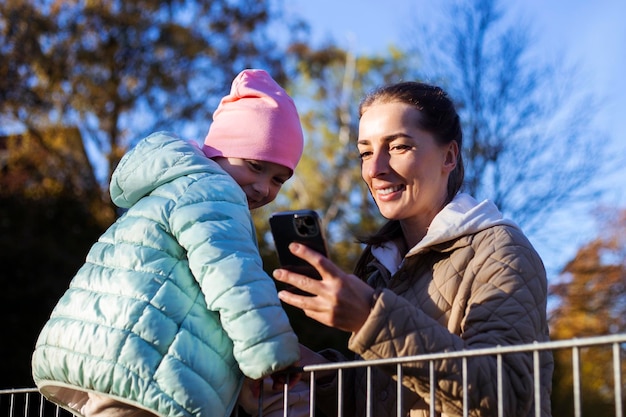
[[172, 307]]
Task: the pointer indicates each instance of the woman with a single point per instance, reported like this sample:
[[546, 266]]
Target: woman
[[445, 273]]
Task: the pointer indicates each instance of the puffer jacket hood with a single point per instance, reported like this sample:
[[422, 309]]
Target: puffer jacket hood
[[151, 165]]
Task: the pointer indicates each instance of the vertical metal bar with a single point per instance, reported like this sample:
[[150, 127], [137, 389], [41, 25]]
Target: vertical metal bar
[[368, 394], [399, 389], [41, 405], [537, 374], [340, 392], [500, 388], [465, 390], [312, 395], [433, 386], [286, 396], [11, 405], [576, 379], [617, 378], [26, 398]]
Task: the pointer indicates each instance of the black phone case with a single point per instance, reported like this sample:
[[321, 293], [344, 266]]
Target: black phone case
[[302, 226]]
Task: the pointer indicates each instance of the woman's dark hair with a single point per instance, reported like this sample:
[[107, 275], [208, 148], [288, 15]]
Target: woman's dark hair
[[438, 117]]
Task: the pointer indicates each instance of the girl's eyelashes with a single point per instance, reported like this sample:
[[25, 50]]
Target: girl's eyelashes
[[279, 180], [255, 165], [260, 167]]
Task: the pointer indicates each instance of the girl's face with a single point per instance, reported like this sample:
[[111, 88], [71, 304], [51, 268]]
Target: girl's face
[[260, 180], [405, 169]]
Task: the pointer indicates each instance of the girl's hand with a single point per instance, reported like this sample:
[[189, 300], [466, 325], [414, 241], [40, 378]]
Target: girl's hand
[[293, 374]]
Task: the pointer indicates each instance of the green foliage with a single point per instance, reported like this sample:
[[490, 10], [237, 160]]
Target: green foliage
[[327, 85], [120, 70]]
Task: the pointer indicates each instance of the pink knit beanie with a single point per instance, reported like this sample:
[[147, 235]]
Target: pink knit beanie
[[257, 120]]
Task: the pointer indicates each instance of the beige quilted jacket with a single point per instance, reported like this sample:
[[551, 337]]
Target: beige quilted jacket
[[474, 281]]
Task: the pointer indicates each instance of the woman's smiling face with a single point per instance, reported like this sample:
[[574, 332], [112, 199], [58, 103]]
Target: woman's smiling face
[[404, 167]]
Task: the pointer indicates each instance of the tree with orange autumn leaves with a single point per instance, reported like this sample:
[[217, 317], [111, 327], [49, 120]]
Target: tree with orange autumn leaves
[[591, 301]]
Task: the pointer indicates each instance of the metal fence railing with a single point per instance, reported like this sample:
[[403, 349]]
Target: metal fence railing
[[29, 403], [615, 343]]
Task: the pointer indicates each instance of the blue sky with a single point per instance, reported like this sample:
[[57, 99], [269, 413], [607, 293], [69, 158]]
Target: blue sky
[[591, 35]]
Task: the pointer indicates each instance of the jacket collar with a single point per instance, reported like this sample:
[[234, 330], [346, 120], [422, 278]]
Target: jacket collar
[[461, 217]]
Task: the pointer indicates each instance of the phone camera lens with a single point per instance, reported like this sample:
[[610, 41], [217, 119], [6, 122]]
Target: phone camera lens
[[306, 226]]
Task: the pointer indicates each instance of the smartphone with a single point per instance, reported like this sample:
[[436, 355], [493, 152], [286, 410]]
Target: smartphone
[[302, 226]]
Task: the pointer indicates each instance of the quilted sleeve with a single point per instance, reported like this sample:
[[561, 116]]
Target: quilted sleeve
[[504, 293], [212, 222]]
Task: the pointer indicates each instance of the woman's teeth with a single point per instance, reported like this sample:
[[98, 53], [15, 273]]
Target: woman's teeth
[[389, 190]]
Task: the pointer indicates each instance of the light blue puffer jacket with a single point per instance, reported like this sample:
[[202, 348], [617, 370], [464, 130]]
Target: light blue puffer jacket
[[172, 306]]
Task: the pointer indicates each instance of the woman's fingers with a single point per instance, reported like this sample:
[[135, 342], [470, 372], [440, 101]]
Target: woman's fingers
[[319, 261], [301, 282], [337, 300]]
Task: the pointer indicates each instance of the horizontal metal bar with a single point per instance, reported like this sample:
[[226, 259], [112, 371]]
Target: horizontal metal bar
[[530, 347]]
